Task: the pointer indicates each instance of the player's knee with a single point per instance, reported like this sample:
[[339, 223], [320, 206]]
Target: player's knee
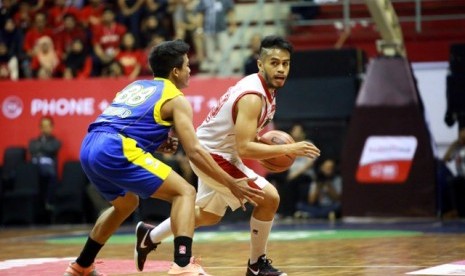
[[129, 205], [272, 200], [188, 191]]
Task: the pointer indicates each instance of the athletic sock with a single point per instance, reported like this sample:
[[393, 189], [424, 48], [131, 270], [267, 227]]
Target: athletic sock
[[162, 231], [182, 250], [88, 253], [259, 232]]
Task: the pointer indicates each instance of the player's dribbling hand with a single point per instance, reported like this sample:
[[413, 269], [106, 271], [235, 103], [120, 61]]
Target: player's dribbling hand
[[244, 193], [169, 146], [306, 149]]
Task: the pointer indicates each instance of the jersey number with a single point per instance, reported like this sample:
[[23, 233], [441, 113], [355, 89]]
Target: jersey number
[[134, 95]]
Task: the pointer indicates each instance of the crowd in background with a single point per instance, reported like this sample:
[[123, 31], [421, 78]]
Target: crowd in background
[[70, 39]]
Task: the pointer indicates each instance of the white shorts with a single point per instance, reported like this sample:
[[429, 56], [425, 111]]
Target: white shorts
[[213, 196]]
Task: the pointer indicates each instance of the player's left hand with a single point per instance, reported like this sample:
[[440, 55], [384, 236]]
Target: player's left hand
[[170, 146], [244, 193]]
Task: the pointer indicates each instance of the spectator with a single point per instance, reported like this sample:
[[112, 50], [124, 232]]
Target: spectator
[[215, 18], [70, 32], [45, 63], [130, 13], [151, 27], [250, 64], [44, 152], [298, 177], [91, 14], [188, 27], [77, 63], [24, 16], [159, 8], [130, 58], [155, 40], [456, 153], [36, 32], [57, 14], [13, 38], [113, 70], [324, 196], [8, 64], [7, 10], [106, 41]]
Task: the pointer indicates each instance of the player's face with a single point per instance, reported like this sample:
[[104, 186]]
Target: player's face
[[274, 67], [183, 74]]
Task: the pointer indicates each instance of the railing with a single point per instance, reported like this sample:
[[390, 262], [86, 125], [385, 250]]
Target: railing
[[346, 18]]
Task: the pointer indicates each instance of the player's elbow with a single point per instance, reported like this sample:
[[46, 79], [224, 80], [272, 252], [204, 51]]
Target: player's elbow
[[243, 151]]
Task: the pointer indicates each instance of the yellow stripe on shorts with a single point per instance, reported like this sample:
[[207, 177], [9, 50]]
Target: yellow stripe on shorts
[[143, 159]]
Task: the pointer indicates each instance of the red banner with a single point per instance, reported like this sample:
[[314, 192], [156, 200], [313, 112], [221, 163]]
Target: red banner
[[75, 104]]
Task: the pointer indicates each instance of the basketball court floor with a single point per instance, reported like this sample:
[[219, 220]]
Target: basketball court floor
[[346, 247]]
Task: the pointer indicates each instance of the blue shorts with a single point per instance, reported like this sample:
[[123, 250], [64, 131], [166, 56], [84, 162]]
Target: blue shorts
[[115, 165]]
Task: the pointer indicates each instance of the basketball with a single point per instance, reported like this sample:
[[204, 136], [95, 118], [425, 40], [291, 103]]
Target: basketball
[[279, 163]]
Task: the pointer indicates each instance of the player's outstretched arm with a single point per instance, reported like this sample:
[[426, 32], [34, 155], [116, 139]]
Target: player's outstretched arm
[[182, 117]]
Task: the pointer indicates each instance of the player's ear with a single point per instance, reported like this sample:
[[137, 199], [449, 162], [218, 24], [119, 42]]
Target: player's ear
[[260, 65], [175, 72]]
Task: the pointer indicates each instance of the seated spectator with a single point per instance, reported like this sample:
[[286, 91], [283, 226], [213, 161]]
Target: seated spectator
[[159, 8], [91, 14], [154, 41], [24, 16], [106, 40], [13, 39], [69, 32], [77, 63], [456, 153], [130, 58], [151, 27], [113, 70], [45, 63], [58, 12], [130, 14], [31, 38], [8, 64], [7, 10], [188, 27], [250, 64], [324, 196]]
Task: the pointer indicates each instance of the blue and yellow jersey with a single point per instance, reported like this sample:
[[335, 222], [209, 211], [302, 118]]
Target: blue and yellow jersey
[[135, 113]]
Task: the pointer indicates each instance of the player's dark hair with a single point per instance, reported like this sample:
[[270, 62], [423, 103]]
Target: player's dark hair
[[166, 56], [275, 42]]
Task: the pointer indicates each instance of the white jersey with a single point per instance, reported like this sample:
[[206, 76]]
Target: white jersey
[[216, 132]]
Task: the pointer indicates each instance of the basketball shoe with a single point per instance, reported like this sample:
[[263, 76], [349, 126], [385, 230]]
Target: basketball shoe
[[192, 269], [144, 244], [263, 267], [76, 270]]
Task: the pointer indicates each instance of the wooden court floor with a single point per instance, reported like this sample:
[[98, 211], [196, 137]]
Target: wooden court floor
[[433, 244]]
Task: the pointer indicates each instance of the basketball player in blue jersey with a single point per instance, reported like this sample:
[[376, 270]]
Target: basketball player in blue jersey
[[116, 156]]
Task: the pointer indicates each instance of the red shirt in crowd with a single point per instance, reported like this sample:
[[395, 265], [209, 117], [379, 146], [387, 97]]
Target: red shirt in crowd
[[129, 60], [33, 35], [64, 38], [56, 14], [109, 37], [90, 16]]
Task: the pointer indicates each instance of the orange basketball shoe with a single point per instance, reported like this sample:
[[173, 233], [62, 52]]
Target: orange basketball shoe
[[76, 270], [192, 269]]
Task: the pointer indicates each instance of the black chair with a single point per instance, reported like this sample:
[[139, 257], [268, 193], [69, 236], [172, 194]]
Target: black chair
[[20, 203], [68, 200], [12, 158]]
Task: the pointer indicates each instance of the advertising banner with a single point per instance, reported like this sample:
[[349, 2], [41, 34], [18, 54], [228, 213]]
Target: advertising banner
[[73, 105]]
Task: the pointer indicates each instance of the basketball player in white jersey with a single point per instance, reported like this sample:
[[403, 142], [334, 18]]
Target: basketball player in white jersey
[[230, 134]]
